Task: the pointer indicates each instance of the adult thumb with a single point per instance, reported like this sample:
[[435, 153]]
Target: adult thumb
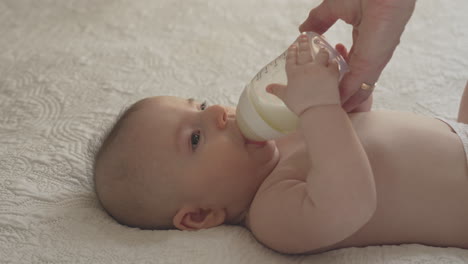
[[277, 89], [320, 19]]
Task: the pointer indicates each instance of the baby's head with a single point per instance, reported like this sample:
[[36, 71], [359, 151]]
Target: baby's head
[[171, 162]]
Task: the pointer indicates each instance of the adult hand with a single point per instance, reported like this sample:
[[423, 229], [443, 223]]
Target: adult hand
[[377, 27]]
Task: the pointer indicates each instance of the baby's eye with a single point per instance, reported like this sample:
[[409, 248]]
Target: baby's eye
[[203, 105], [195, 139]]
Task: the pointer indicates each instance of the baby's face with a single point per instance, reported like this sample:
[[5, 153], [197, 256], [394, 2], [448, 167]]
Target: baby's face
[[204, 150]]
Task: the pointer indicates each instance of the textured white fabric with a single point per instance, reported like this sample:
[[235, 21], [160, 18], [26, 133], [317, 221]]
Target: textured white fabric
[[461, 129], [67, 67]]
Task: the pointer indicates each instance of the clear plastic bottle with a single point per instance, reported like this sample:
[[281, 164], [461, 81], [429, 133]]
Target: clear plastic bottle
[[262, 116]]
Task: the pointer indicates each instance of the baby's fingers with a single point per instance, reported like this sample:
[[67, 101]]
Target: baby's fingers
[[333, 66], [277, 89], [291, 57], [303, 54], [322, 57]]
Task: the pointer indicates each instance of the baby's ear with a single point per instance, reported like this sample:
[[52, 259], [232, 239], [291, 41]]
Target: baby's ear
[[192, 218]]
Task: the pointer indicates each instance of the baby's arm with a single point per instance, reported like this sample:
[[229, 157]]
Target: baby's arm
[[338, 196]]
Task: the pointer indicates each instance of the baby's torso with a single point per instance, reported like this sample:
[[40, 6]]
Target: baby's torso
[[421, 179]]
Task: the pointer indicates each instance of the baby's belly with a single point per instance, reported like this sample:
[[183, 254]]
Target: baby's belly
[[421, 180]]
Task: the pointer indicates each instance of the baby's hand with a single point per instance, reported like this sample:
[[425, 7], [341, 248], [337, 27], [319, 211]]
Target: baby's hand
[[310, 82]]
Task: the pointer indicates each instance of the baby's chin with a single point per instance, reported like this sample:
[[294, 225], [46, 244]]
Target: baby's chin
[[263, 152]]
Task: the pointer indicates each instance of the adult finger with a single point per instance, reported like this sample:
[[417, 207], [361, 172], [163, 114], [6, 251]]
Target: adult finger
[[350, 86], [342, 51], [365, 106], [374, 43], [357, 99], [320, 19]]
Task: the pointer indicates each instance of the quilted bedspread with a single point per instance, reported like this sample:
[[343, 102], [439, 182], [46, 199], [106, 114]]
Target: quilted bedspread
[[68, 67]]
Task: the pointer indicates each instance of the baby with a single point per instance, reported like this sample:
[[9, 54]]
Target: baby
[[341, 180]]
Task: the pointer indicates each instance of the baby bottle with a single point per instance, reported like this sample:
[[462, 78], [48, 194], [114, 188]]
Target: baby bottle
[[262, 116]]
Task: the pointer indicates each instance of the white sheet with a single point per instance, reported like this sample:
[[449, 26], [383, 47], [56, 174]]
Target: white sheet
[[68, 67]]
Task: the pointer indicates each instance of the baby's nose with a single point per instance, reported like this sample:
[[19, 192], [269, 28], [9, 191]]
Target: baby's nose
[[221, 118], [217, 114]]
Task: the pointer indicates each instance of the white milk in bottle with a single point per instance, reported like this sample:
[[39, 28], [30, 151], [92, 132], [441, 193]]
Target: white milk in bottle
[[262, 116]]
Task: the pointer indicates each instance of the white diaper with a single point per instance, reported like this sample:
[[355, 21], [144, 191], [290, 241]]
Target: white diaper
[[462, 131]]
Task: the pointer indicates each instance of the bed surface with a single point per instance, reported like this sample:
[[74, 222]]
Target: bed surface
[[67, 68]]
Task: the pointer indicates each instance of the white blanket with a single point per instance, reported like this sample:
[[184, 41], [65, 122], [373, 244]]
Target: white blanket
[[67, 67]]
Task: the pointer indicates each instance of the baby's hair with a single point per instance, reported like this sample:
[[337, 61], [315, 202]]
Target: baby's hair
[[107, 140], [114, 172], [111, 133]]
